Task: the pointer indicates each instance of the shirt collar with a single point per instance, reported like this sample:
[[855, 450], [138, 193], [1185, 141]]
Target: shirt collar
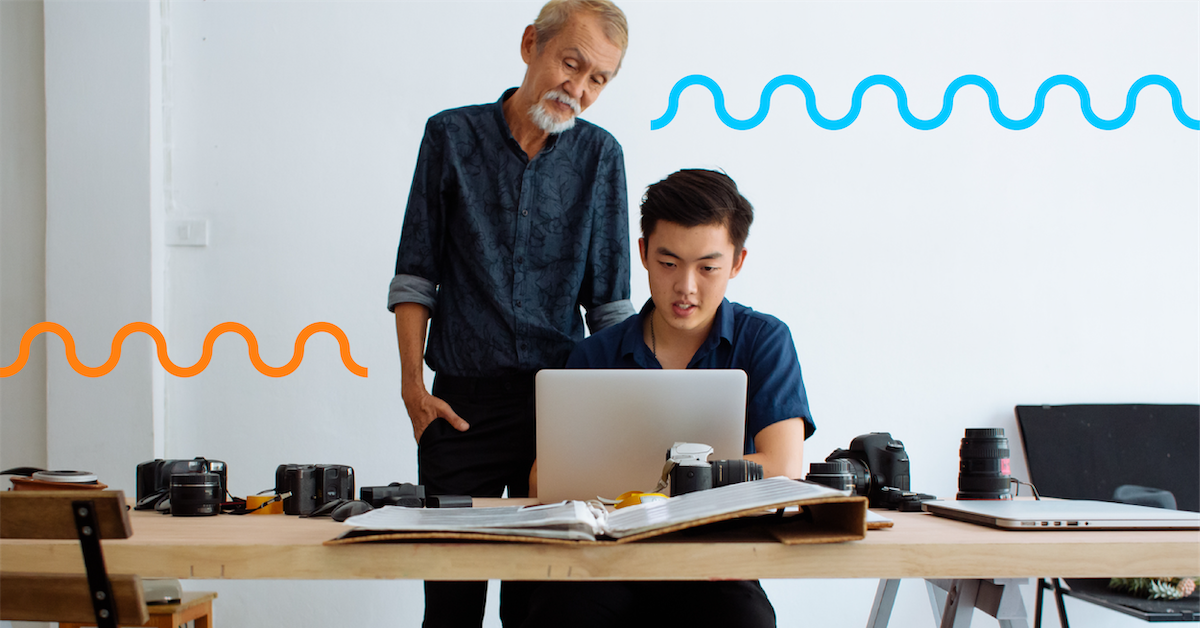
[[498, 110], [633, 344]]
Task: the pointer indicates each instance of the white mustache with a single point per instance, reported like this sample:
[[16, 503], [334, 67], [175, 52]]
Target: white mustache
[[564, 99]]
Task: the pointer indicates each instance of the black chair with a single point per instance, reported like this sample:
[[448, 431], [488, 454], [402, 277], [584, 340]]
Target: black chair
[[1144, 453]]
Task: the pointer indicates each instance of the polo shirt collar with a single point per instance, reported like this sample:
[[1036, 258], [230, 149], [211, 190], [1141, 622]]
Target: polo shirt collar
[[498, 111], [633, 344], [722, 329]]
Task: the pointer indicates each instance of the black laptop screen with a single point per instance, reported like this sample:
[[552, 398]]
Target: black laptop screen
[[1087, 451]]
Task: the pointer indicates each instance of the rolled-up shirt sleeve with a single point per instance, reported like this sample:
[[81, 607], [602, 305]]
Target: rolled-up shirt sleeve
[[605, 292], [412, 289], [417, 271], [608, 314]]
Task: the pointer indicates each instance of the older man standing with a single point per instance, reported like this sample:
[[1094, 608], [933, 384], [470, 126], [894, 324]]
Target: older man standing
[[517, 216]]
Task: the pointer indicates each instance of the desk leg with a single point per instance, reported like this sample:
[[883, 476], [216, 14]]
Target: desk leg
[[960, 604], [937, 600], [999, 598], [885, 599]]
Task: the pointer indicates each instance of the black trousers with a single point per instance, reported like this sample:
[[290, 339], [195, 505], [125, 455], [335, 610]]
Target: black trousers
[[741, 603], [496, 453]]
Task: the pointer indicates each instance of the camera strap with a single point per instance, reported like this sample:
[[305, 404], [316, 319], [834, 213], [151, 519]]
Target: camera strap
[[25, 471], [666, 475], [238, 506], [150, 502]]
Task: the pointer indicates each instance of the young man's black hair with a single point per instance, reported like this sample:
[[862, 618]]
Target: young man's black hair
[[691, 198]]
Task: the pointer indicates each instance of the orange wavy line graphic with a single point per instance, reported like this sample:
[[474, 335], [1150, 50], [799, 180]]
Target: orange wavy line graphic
[[161, 344]]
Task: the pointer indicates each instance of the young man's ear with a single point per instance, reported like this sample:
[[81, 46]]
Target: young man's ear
[[642, 253], [738, 260]]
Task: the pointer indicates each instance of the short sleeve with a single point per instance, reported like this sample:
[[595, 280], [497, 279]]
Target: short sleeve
[[775, 387]]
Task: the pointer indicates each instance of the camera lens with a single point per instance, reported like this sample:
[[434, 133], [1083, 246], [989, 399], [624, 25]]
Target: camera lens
[[734, 471], [860, 475], [983, 469], [834, 474], [195, 494]]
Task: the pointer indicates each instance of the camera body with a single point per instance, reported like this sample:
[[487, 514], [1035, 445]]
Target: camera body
[[693, 471], [394, 494], [313, 485], [879, 467], [410, 496], [154, 478]]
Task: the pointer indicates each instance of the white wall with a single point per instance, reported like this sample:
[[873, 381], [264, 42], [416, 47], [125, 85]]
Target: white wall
[[22, 234], [98, 239], [932, 279], [22, 231]]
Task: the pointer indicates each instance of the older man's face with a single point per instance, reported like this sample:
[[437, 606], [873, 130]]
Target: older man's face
[[569, 73]]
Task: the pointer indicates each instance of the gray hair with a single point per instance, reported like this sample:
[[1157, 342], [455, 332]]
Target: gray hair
[[556, 13]]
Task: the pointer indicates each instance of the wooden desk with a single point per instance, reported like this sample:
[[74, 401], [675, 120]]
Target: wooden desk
[[919, 546]]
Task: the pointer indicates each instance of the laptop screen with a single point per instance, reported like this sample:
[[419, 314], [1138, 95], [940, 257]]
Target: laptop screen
[[602, 432]]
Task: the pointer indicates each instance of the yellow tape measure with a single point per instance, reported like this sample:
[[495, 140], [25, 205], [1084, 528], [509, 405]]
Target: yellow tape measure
[[633, 498]]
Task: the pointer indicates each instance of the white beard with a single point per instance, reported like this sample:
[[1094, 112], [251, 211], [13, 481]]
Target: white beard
[[546, 121]]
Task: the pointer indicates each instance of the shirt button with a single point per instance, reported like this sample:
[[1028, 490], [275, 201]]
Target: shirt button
[[518, 304], [524, 212], [520, 259], [524, 346]]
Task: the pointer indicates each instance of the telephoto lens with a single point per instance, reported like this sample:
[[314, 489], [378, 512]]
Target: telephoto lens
[[983, 468], [725, 472], [195, 494], [834, 474]]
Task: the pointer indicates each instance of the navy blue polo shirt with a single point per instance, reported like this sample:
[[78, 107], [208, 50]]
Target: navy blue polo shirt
[[757, 343]]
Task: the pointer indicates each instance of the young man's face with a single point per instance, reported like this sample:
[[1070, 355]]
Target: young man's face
[[689, 269]]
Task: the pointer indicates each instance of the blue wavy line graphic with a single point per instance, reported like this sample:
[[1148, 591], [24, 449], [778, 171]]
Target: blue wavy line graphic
[[810, 100]]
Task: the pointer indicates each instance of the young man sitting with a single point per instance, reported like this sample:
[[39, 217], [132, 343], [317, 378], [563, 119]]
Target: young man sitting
[[694, 229]]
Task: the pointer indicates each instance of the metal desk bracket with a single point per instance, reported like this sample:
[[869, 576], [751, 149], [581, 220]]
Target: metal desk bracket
[[954, 601], [99, 587]]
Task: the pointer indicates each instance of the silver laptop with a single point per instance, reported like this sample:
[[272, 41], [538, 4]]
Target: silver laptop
[[602, 432], [1065, 514]]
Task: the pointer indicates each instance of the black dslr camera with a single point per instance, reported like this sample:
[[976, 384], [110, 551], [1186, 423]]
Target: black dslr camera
[[690, 469], [312, 486], [875, 466], [154, 478]]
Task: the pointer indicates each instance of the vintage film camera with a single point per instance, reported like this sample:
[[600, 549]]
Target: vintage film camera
[[876, 466], [312, 486], [154, 479], [690, 470]]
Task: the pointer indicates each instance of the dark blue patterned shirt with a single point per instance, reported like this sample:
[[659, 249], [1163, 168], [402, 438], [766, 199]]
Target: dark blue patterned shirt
[[757, 343], [504, 250]]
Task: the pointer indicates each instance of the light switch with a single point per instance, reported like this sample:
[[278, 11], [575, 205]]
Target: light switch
[[187, 233]]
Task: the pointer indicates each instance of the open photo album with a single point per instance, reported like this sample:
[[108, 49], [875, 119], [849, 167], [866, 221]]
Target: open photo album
[[790, 510]]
